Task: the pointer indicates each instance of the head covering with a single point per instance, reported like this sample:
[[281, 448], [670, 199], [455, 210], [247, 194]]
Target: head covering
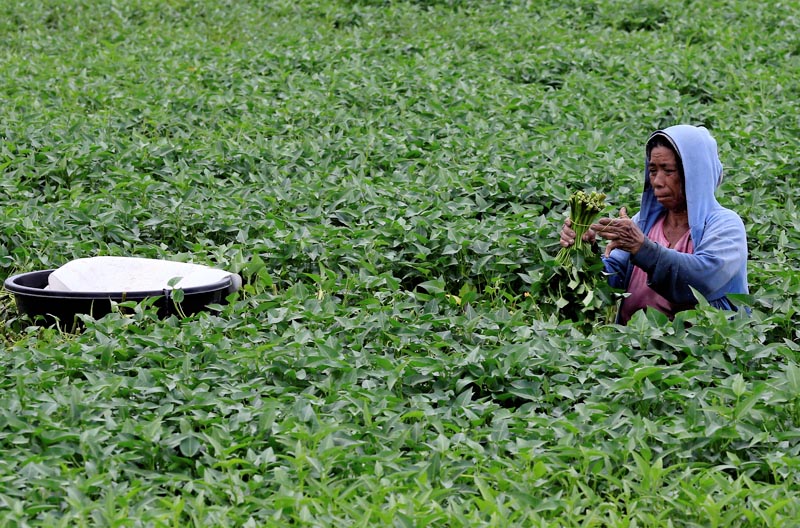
[[702, 171]]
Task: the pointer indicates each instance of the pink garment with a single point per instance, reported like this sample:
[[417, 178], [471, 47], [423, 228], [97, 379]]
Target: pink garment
[[641, 295]]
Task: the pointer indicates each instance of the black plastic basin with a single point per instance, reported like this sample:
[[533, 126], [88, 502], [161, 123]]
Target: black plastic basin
[[34, 300]]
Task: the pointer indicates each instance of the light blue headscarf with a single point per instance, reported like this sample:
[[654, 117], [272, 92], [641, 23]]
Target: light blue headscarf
[[702, 172]]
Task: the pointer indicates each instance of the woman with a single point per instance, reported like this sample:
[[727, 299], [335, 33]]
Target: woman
[[691, 242]]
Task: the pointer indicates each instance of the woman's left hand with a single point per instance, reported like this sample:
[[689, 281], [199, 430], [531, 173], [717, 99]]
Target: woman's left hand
[[622, 233]]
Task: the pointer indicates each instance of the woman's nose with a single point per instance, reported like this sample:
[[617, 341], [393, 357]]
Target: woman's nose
[[658, 177], [655, 178]]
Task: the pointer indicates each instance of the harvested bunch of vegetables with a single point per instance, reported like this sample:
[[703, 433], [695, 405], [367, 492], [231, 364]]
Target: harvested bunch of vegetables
[[573, 286], [584, 210]]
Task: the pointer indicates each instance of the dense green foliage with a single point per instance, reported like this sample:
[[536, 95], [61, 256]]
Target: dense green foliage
[[389, 178]]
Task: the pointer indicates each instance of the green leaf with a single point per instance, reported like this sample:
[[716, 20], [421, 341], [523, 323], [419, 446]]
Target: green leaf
[[190, 446]]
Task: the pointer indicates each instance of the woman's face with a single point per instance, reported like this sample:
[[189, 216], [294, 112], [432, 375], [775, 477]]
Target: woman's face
[[666, 179]]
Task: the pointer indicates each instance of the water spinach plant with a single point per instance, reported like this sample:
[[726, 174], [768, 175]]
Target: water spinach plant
[[584, 210], [573, 286]]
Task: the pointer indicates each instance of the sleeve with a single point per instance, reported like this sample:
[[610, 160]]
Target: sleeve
[[715, 261], [616, 266]]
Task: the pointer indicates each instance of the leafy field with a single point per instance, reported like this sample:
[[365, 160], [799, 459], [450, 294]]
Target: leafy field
[[389, 178]]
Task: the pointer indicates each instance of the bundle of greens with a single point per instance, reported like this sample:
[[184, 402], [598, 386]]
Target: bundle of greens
[[584, 210], [573, 286]]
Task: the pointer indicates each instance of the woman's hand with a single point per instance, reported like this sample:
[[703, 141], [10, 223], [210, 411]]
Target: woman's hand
[[622, 233], [568, 234]]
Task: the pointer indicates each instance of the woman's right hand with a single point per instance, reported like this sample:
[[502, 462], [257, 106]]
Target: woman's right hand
[[568, 234]]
